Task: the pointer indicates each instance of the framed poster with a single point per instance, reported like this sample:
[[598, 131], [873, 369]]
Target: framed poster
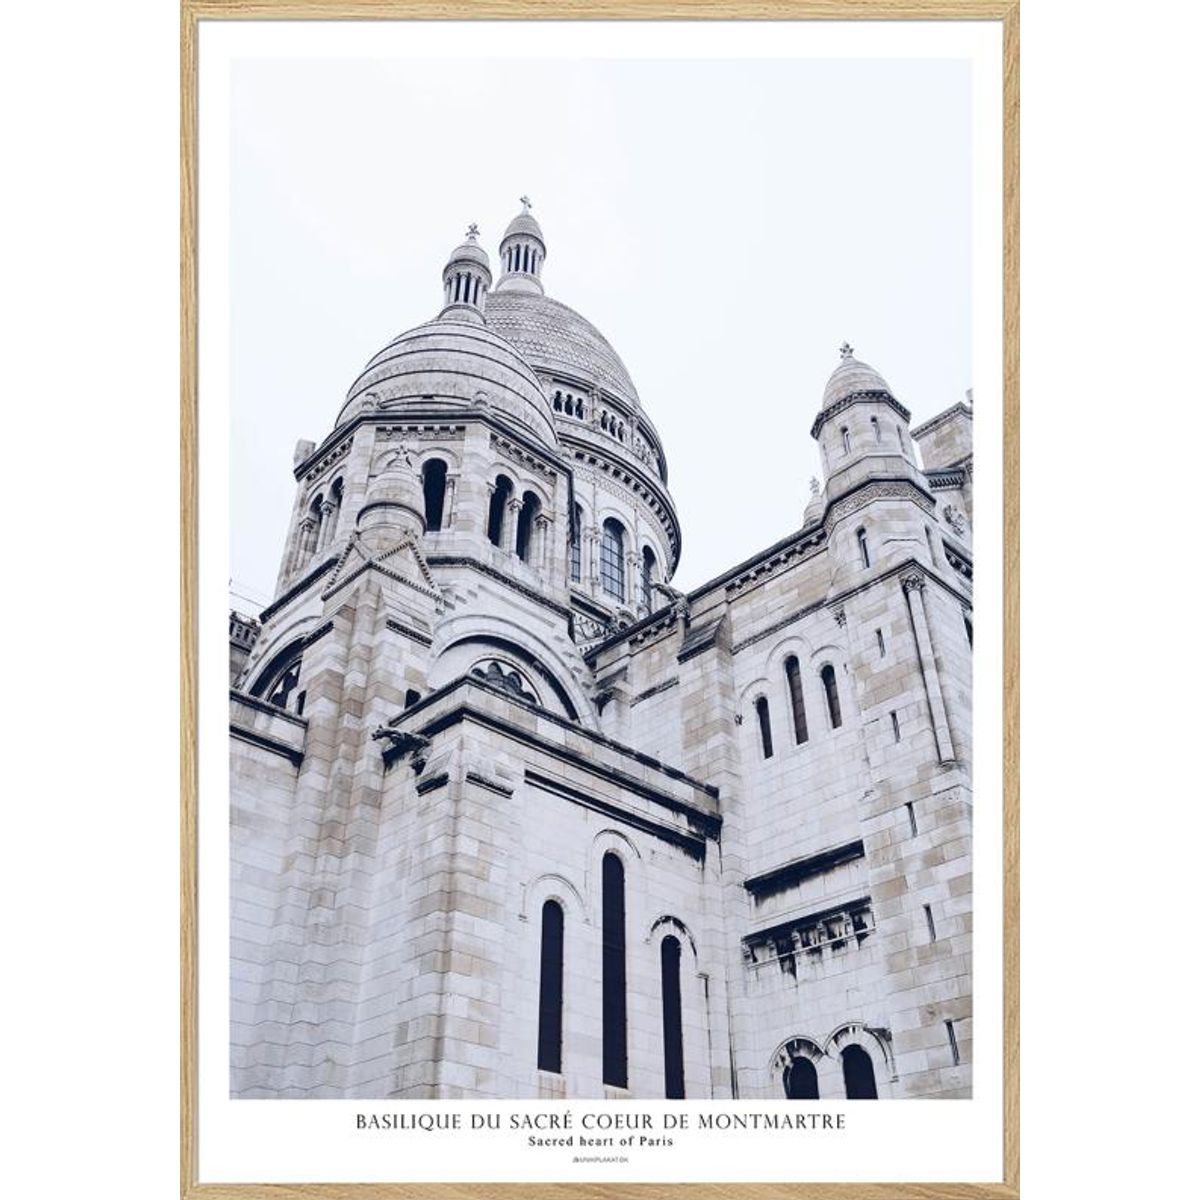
[[599, 744]]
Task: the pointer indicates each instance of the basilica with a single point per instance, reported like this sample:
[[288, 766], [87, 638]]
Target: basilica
[[513, 818]]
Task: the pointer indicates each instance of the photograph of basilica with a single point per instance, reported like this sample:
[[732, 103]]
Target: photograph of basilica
[[512, 817]]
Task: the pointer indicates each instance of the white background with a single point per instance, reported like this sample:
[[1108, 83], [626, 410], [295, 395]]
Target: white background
[[89, 390]]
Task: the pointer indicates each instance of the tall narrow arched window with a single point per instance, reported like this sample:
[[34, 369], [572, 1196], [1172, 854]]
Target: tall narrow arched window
[[577, 543], [970, 631], [875, 428], [616, 1065], [829, 679], [530, 507], [501, 493], [648, 564], [791, 668], [859, 1073], [800, 1080], [550, 996], [612, 559], [845, 440], [863, 553], [672, 1019], [764, 725], [433, 481], [280, 694]]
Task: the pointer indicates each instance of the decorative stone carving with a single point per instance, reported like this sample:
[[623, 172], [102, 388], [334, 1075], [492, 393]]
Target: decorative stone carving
[[913, 583], [510, 681], [954, 519], [401, 742]]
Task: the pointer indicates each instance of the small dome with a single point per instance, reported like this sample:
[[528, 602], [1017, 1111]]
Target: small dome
[[452, 364], [470, 251], [816, 504], [853, 378], [524, 223]]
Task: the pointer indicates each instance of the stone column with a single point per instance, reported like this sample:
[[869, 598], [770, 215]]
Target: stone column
[[590, 567], [327, 524], [307, 525], [508, 537], [541, 556], [914, 592], [448, 501]]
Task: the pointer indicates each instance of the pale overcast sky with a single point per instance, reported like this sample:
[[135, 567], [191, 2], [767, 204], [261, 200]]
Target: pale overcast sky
[[725, 224]]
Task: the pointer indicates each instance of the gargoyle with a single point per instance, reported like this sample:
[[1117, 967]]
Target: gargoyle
[[401, 742], [679, 601]]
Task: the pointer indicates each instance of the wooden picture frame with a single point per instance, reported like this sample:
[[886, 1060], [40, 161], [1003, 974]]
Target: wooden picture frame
[[195, 11]]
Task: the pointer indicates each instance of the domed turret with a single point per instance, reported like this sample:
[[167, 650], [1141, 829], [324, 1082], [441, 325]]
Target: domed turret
[[393, 506], [522, 252], [854, 379], [466, 279]]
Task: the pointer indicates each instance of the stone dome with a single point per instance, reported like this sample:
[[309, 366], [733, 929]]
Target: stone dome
[[470, 251], [853, 378], [556, 339], [524, 223], [453, 364]]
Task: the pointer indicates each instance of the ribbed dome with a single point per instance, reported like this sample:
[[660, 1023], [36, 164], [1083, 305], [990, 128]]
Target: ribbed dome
[[524, 223], [555, 338], [471, 251], [453, 364], [852, 378]]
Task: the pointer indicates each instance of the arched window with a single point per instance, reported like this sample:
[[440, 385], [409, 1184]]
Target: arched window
[[764, 725], [550, 996], [281, 693], [829, 679], [863, 553], [433, 480], [791, 668], [859, 1074], [501, 493], [612, 559], [648, 564], [616, 1066], [875, 427], [845, 440], [530, 507], [672, 1019], [800, 1080], [970, 631], [577, 543]]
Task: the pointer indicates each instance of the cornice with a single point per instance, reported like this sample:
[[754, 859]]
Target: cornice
[[296, 588], [954, 410], [872, 396]]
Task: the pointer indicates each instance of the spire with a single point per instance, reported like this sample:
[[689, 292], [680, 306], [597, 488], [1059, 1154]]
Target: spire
[[466, 279], [522, 252]]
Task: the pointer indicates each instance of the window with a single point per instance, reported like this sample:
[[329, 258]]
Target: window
[[281, 693], [859, 1074], [953, 1039], [879, 639], [612, 559], [895, 726], [433, 480], [875, 428], [550, 996], [764, 725], [863, 554], [530, 507], [800, 1080], [929, 543], [829, 679], [411, 697], [501, 492], [648, 564], [912, 818], [616, 1067], [845, 440], [970, 631], [672, 1019], [791, 669], [929, 923], [577, 544]]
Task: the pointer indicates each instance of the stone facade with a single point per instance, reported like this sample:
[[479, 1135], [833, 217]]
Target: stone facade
[[513, 818]]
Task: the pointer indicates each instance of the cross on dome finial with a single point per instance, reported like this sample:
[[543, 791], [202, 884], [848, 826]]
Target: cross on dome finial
[[846, 349], [472, 231], [526, 203], [813, 485]]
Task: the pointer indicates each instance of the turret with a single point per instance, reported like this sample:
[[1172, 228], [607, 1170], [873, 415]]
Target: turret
[[466, 279], [522, 252]]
